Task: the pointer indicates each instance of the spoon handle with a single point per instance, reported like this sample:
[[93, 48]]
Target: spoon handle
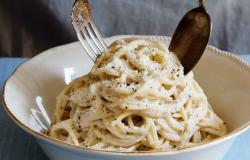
[[201, 3]]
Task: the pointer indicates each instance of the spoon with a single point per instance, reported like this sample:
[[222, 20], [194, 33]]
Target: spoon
[[191, 37], [188, 43]]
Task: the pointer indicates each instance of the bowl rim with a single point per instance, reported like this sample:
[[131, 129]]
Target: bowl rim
[[62, 144]]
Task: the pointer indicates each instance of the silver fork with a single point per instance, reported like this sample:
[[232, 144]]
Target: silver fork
[[87, 33], [92, 43]]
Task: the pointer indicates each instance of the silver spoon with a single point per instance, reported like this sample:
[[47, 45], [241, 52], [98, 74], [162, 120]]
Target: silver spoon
[[191, 37]]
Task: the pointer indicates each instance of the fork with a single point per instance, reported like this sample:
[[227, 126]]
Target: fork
[[87, 33], [94, 46]]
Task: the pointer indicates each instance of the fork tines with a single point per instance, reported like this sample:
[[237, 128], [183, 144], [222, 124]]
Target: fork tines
[[87, 33]]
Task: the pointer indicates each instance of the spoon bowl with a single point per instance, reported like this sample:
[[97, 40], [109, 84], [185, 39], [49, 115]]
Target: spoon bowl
[[191, 37]]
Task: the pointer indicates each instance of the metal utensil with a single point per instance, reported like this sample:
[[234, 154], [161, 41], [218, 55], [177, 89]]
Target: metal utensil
[[86, 29], [191, 37], [94, 46]]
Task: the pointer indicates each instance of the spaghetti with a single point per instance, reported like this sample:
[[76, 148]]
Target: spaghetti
[[136, 98]]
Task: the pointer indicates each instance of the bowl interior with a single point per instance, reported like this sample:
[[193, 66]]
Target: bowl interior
[[225, 80]]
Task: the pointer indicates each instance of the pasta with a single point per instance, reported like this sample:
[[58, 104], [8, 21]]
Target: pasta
[[135, 98]]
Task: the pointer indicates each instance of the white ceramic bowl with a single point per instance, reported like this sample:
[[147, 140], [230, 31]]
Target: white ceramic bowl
[[224, 78]]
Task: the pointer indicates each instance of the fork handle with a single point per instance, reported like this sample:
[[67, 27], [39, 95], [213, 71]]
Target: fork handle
[[85, 9]]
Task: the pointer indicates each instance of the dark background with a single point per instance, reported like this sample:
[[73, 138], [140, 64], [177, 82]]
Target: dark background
[[30, 26]]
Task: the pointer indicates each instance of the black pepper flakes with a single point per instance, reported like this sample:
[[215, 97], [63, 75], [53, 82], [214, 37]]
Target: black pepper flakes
[[173, 71]]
